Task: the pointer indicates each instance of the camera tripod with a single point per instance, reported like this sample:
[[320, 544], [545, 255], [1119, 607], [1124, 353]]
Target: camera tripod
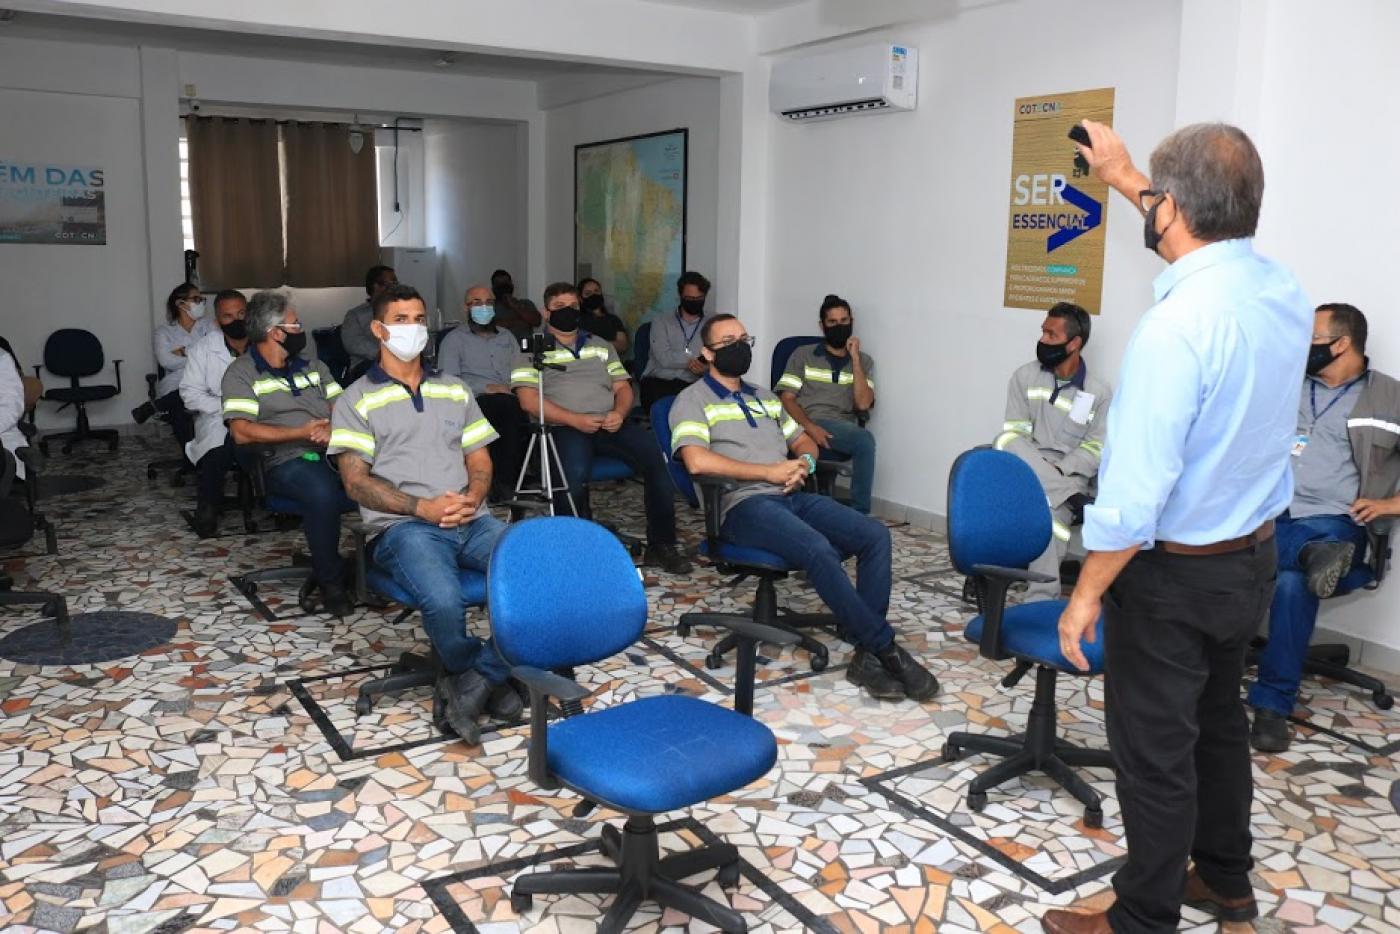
[[552, 478]]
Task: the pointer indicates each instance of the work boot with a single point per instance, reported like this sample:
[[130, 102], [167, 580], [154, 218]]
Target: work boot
[[1060, 921], [919, 683], [142, 413], [206, 520], [336, 600], [1270, 732], [1325, 564], [505, 702], [1201, 896], [464, 698], [668, 557], [865, 670]]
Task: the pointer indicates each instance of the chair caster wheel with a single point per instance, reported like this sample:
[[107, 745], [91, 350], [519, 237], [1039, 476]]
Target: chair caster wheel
[[1093, 819], [363, 706], [819, 662], [976, 801], [683, 630], [150, 473], [67, 449], [728, 875], [713, 662], [951, 753], [308, 605], [1382, 700], [521, 902], [112, 447]]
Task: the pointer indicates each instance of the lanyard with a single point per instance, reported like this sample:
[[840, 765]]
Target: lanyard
[[680, 322], [1316, 415], [738, 394]]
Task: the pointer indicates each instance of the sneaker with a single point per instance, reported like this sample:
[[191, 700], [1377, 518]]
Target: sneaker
[[1325, 563], [1269, 732], [668, 557], [142, 413], [505, 702], [865, 670], [919, 683], [464, 698], [336, 600]]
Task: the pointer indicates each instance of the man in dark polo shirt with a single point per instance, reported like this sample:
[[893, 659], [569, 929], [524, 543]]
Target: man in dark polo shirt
[[587, 396], [412, 448], [275, 399]]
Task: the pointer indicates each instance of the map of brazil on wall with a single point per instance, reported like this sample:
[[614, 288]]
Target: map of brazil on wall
[[629, 220]]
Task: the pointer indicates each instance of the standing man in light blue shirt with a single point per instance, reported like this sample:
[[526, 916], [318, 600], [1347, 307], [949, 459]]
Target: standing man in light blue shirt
[[1181, 538]]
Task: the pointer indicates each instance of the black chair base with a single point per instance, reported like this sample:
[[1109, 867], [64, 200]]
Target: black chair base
[[1331, 661], [248, 584], [642, 875], [411, 671], [765, 612], [1038, 749], [52, 604], [83, 433]]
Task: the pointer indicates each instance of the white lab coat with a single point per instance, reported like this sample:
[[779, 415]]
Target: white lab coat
[[200, 390], [11, 409], [171, 337]]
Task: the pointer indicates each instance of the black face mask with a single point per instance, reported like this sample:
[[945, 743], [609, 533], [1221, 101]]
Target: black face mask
[[593, 303], [733, 359], [235, 330], [503, 291], [1150, 237], [1320, 356], [695, 307], [1051, 355], [837, 335], [293, 342], [564, 319]]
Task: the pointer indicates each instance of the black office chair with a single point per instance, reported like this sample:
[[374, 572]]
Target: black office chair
[[330, 350], [18, 522], [180, 465], [73, 353]]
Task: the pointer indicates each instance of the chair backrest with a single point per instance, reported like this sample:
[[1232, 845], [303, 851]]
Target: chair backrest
[[547, 613], [661, 427], [784, 351], [330, 350], [997, 512], [641, 348], [73, 352], [16, 522]]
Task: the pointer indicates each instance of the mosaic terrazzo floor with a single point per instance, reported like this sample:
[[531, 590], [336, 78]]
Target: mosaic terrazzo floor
[[223, 781]]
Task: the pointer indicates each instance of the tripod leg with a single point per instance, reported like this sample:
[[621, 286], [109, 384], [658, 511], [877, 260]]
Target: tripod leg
[[559, 464], [524, 466]]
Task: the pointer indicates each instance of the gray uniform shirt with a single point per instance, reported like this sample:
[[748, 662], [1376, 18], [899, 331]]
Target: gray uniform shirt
[[822, 390], [1325, 478], [673, 346], [287, 398], [700, 416], [585, 385], [356, 337], [478, 358], [417, 443], [1062, 440]]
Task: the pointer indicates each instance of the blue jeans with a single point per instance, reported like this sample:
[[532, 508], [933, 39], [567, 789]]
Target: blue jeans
[[1293, 612], [317, 488], [638, 448], [815, 533], [424, 559], [853, 440]]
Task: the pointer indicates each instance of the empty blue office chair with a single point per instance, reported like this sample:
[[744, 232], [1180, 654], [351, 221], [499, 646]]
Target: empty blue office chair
[[998, 522], [739, 560], [642, 758]]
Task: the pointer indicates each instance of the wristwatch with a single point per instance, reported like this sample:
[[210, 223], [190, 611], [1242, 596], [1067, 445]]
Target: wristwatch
[[811, 464]]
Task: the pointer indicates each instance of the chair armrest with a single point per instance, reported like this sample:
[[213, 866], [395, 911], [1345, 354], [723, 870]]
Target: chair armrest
[[543, 684], [117, 365], [1012, 574], [711, 489], [548, 684], [746, 628], [31, 458], [151, 380]]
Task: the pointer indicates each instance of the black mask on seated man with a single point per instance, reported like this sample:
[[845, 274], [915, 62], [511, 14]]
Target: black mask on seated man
[[293, 342], [564, 319], [504, 290], [837, 334], [734, 359], [1051, 355], [593, 303], [235, 330], [1320, 356], [693, 306]]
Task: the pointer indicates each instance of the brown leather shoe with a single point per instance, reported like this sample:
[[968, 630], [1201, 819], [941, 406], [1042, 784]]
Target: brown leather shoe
[[1060, 921], [1201, 896]]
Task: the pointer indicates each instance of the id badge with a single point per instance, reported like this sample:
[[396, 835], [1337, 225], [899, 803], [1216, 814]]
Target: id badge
[[1300, 442]]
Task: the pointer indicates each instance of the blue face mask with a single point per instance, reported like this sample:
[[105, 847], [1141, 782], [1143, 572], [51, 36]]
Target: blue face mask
[[483, 314]]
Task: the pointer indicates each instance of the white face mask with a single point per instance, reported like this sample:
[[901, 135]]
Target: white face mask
[[195, 310], [406, 341]]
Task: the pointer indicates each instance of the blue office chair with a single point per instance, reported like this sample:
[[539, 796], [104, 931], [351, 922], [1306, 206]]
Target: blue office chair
[[830, 464], [642, 758], [739, 560], [641, 349], [998, 522]]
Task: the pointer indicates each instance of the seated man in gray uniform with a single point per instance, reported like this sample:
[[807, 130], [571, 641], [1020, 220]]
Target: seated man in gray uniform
[[411, 446], [673, 360], [724, 427], [1056, 418]]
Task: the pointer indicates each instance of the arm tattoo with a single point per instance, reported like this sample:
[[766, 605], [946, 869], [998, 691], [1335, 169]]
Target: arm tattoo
[[372, 492]]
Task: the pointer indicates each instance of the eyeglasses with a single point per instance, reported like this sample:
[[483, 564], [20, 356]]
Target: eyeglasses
[[1326, 338], [1148, 196], [290, 326], [746, 339]]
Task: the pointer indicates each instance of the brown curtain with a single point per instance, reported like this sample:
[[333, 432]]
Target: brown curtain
[[332, 207], [236, 200]]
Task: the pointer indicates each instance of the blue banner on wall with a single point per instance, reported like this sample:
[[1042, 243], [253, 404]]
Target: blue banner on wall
[[47, 203]]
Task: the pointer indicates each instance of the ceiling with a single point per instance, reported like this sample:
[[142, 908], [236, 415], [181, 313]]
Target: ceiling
[[733, 6], [331, 52]]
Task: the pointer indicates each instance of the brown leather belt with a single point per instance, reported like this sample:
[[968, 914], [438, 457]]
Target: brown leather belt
[[1258, 536]]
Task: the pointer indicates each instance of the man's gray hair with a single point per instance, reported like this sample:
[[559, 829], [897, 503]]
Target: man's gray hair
[[266, 311], [1214, 173]]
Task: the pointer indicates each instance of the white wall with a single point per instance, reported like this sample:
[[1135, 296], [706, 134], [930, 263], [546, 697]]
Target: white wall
[[475, 205], [905, 216], [693, 103]]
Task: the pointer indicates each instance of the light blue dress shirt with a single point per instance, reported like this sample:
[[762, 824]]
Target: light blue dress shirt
[[1202, 424]]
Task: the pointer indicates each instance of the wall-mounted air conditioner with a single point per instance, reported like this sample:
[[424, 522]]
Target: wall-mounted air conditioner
[[857, 80]]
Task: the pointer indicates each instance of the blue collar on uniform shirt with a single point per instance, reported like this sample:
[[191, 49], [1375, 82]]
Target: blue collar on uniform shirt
[[745, 389], [286, 372], [376, 374], [579, 341], [837, 363], [1212, 254], [1077, 381]]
